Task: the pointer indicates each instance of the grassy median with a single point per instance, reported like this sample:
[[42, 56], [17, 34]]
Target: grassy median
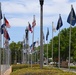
[[35, 70]]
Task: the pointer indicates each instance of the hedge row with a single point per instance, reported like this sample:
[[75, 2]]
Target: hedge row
[[35, 70], [21, 66]]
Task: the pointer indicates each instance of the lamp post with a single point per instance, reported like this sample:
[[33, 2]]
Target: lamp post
[[41, 33]]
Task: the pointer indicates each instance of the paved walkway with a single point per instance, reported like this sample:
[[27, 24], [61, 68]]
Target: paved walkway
[[66, 69], [8, 71]]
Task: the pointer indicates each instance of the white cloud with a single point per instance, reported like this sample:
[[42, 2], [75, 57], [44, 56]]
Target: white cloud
[[29, 7]]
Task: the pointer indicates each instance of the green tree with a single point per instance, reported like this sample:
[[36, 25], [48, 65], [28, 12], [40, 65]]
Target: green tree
[[16, 50]]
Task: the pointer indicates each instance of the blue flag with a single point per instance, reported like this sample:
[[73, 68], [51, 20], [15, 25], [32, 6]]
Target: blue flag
[[0, 14], [47, 34], [2, 26], [60, 23], [29, 27], [32, 46], [26, 31], [72, 17]]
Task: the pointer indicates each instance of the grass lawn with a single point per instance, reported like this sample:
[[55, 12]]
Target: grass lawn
[[35, 70]]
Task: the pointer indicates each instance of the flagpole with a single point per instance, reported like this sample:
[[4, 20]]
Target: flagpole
[[52, 41], [69, 45], [32, 43], [3, 46], [27, 44], [28, 49], [59, 43], [37, 50], [70, 37], [47, 51], [32, 48], [0, 42]]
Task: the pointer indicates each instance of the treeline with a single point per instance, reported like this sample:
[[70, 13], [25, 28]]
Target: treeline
[[64, 45], [16, 48]]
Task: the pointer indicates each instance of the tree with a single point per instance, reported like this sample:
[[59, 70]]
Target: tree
[[16, 50]]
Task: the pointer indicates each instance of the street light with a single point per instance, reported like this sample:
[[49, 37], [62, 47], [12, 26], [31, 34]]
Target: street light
[[41, 2], [41, 33]]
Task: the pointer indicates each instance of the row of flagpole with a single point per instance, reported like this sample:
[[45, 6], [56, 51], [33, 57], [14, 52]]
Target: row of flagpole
[[71, 20], [5, 39], [31, 29]]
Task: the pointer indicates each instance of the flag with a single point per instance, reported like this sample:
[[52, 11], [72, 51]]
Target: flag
[[6, 23], [60, 23], [34, 22], [2, 27], [0, 14], [37, 43], [71, 17], [47, 34], [6, 43], [6, 35], [29, 27], [32, 46], [53, 28], [26, 31]]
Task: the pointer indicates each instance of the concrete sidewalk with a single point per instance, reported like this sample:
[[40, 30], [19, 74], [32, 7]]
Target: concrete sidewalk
[[66, 69], [8, 71]]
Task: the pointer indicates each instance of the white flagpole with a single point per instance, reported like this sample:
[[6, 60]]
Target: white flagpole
[[4, 47], [52, 41], [0, 42], [59, 43], [28, 49], [70, 37], [69, 45], [32, 41], [47, 51]]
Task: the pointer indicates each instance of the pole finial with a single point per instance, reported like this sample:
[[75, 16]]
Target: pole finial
[[41, 2], [71, 6]]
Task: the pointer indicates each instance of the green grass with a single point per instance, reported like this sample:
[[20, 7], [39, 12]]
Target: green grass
[[35, 70], [73, 67]]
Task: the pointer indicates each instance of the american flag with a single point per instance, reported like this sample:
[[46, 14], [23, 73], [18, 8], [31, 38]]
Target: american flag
[[34, 22], [7, 23]]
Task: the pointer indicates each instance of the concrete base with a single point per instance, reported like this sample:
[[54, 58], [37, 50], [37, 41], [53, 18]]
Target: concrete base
[[8, 71]]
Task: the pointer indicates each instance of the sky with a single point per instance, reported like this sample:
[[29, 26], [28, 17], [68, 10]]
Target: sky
[[20, 12]]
